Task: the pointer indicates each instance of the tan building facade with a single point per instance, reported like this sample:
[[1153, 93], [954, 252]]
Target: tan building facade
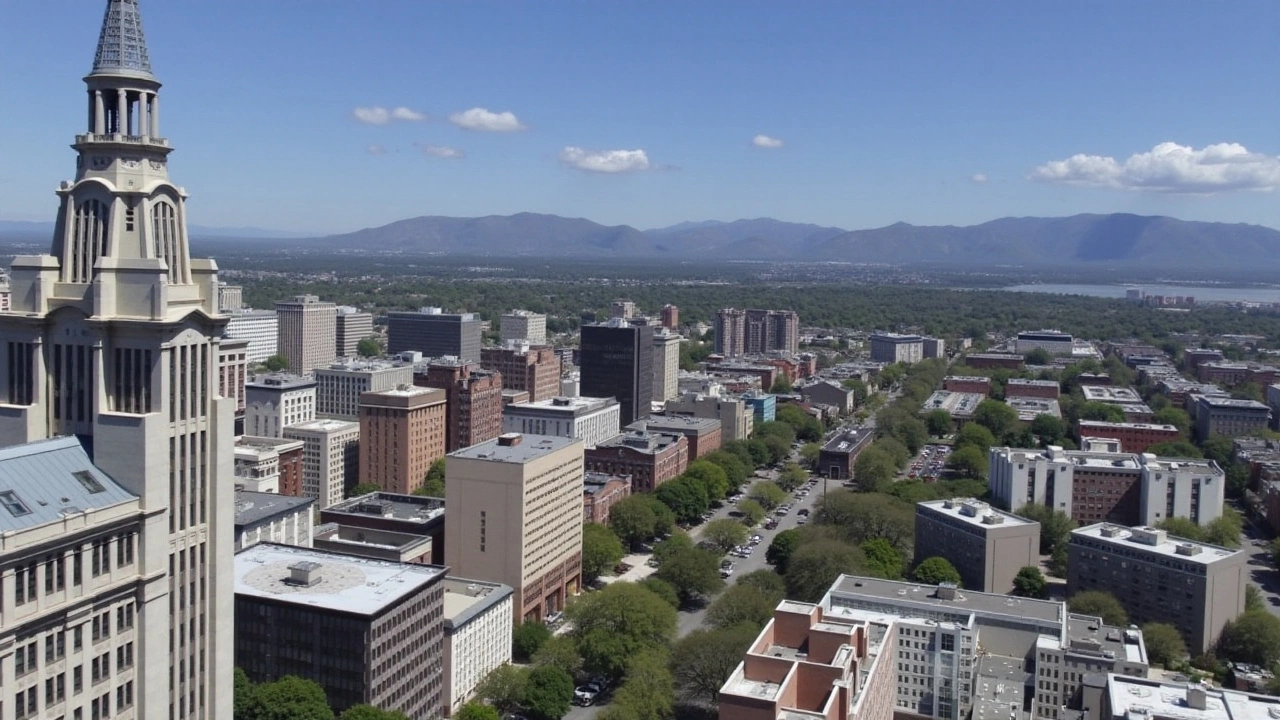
[[987, 546], [515, 517], [402, 432]]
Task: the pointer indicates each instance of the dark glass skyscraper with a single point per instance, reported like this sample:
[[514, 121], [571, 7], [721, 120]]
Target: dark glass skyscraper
[[617, 361]]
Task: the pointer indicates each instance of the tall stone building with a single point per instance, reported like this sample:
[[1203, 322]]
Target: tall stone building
[[114, 338], [308, 331]]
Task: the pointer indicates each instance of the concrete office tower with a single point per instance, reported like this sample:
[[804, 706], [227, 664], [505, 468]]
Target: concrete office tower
[[617, 361], [351, 327], [276, 401], [114, 337], [373, 628], [731, 332], [535, 370], [260, 327], [671, 317], [895, 348], [523, 326], [474, 400], [307, 333], [622, 309], [515, 517], [591, 420], [402, 431], [330, 458], [666, 364], [434, 333], [233, 371], [988, 546], [339, 386], [73, 557], [230, 297], [1195, 587], [477, 636]]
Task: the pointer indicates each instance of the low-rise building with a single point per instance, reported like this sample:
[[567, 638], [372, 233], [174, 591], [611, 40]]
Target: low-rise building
[[986, 545], [967, 384], [330, 458], [1195, 587], [591, 420], [1229, 417], [649, 458], [836, 458], [477, 636], [267, 517], [1020, 388], [404, 516], [703, 434], [1133, 437], [275, 401], [369, 632], [599, 493]]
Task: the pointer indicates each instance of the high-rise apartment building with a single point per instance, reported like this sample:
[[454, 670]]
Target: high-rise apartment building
[[230, 297], [351, 326], [434, 333], [515, 517], [1195, 587], [522, 326], [275, 401], [535, 370], [339, 386], [474, 400], [591, 420], [617, 362], [740, 332], [307, 333], [260, 327], [666, 364], [987, 546], [330, 458], [114, 337], [402, 431], [671, 318]]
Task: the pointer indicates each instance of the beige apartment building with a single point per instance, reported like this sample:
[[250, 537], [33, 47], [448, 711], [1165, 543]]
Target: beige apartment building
[[307, 332], [402, 431], [515, 517], [987, 546], [330, 458]]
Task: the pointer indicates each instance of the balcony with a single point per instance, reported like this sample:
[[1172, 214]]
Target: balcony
[[121, 139]]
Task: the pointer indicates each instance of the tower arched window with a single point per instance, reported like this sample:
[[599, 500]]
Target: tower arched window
[[168, 240], [88, 240]]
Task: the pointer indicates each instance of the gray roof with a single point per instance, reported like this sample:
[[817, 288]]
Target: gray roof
[[253, 508], [50, 479], [122, 47]]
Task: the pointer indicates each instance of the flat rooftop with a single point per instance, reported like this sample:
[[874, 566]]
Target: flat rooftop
[[255, 507], [1154, 542], [466, 599], [1110, 394], [973, 512], [1141, 697], [907, 597], [530, 447], [347, 583]]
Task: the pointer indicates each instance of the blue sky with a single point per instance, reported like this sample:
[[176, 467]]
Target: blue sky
[[924, 112]]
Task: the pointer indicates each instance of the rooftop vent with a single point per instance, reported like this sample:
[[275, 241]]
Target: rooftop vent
[[510, 439], [304, 573]]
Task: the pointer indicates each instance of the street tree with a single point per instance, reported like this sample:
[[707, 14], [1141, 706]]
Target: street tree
[[1165, 645], [703, 660], [1030, 582], [1099, 604], [725, 533], [935, 570], [601, 550], [549, 693]]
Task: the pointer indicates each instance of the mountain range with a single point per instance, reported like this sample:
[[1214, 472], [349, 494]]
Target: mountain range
[[1097, 240]]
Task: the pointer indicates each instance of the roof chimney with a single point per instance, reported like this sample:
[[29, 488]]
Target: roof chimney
[[510, 439]]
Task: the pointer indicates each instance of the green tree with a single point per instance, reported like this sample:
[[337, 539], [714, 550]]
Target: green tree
[[1164, 644], [975, 435], [559, 651], [1254, 637], [781, 548], [1176, 448], [1030, 582], [995, 416], [601, 550], [363, 489], [662, 589], [752, 512], [369, 347], [1099, 604], [814, 566], [938, 422], [741, 603], [276, 363], [693, 573], [725, 533], [648, 693], [527, 638], [768, 494], [882, 559], [968, 461], [935, 570], [289, 698], [702, 661], [477, 711], [618, 622], [1048, 428], [504, 687], [369, 712], [549, 694]]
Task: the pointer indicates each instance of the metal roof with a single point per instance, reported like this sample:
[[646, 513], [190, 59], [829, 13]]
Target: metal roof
[[43, 481]]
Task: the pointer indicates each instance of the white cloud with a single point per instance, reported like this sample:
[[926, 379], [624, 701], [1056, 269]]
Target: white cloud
[[373, 115], [1169, 168], [978, 178], [764, 141], [404, 113], [376, 150], [443, 151], [482, 120], [605, 161]]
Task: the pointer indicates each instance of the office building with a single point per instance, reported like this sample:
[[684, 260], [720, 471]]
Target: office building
[[1123, 488], [704, 434], [474, 397], [1020, 388], [268, 517], [670, 317], [731, 332], [265, 464], [402, 431], [1195, 587], [649, 458], [339, 386], [617, 362], [113, 338], [233, 371], [535, 370], [622, 309], [1133, 437], [737, 419], [414, 523], [307, 333], [351, 326], [666, 364], [1053, 342], [275, 401], [434, 333], [967, 384], [330, 458], [1229, 417], [230, 298], [515, 517], [591, 420], [986, 545], [477, 636], [836, 458], [522, 326], [370, 632], [260, 327], [600, 492], [895, 348]]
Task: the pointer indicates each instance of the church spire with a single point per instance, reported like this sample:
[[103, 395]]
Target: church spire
[[122, 46]]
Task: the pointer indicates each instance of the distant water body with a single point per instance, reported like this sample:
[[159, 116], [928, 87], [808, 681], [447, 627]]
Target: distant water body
[[1200, 293]]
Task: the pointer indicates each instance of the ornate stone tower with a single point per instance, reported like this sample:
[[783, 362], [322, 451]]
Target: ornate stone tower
[[113, 338]]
